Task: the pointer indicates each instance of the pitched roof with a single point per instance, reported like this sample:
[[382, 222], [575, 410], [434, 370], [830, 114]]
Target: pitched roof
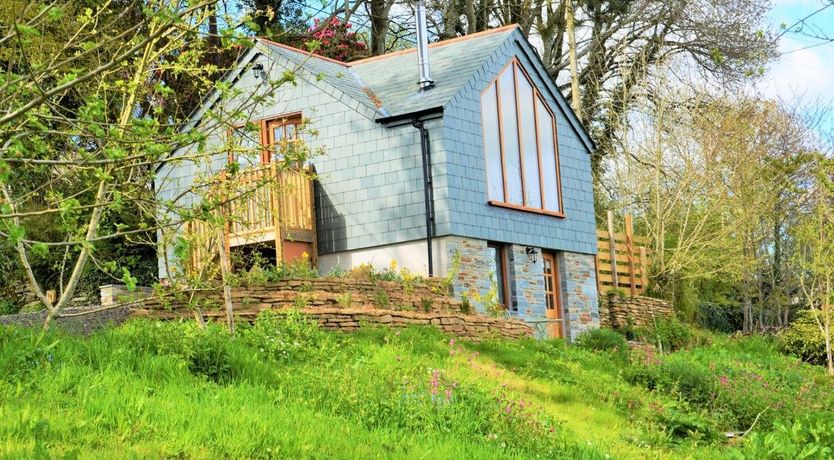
[[388, 83]]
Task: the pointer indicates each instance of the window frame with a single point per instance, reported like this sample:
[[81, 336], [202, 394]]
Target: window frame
[[503, 266], [265, 124], [515, 66]]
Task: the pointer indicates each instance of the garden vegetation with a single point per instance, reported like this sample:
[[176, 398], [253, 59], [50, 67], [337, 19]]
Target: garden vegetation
[[283, 388]]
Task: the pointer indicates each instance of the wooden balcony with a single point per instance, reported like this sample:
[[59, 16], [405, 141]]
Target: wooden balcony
[[265, 205]]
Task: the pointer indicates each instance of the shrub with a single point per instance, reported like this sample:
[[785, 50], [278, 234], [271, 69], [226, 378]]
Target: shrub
[[803, 339], [285, 336], [687, 380], [671, 334], [602, 340], [719, 317], [211, 355]]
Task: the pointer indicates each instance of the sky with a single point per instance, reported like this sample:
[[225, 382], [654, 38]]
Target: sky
[[805, 67]]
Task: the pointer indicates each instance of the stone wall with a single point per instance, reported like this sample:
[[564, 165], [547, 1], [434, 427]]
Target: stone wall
[[473, 327], [616, 311], [23, 296], [577, 275]]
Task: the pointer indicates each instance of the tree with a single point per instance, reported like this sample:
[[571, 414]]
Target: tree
[[85, 122], [815, 258]]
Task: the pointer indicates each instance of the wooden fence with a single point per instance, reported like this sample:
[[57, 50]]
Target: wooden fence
[[623, 259]]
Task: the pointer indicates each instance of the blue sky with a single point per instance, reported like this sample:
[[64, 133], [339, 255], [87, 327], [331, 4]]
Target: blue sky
[[798, 72]]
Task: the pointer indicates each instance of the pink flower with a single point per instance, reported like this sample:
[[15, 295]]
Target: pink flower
[[724, 380], [451, 342], [448, 394]]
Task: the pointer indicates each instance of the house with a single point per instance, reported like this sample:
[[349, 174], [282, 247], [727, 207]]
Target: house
[[507, 191]]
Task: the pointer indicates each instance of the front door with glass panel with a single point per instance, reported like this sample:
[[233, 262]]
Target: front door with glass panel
[[553, 312]]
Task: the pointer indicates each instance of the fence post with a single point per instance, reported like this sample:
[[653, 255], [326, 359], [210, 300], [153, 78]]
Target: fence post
[[629, 230], [612, 249], [644, 276]]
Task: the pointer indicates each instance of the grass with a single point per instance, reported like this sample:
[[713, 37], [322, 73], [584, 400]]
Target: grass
[[285, 389]]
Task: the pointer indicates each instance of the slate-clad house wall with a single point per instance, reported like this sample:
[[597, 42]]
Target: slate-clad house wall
[[369, 195]]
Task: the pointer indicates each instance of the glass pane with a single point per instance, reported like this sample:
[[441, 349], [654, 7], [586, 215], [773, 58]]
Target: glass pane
[[492, 145], [246, 145], [277, 143], [506, 87], [548, 153], [529, 150], [496, 255]]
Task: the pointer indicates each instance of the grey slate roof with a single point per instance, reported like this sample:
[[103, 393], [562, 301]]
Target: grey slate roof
[[392, 78], [387, 84], [337, 74]]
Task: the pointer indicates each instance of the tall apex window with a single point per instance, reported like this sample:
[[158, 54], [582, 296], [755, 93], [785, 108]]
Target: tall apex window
[[520, 144]]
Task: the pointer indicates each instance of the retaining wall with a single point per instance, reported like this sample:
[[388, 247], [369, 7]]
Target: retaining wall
[[616, 311]]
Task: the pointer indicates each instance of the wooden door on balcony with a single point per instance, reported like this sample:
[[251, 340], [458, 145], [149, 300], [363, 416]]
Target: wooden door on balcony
[[296, 227]]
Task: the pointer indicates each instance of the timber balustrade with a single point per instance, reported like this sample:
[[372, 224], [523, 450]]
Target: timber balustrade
[[267, 204]]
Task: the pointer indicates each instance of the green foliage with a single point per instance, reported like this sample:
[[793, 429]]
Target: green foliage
[[8, 307], [160, 390], [381, 299], [809, 436], [804, 339], [719, 317], [465, 304], [286, 337], [670, 334], [603, 340]]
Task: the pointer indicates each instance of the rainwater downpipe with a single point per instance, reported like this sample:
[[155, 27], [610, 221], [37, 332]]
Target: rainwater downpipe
[[428, 189]]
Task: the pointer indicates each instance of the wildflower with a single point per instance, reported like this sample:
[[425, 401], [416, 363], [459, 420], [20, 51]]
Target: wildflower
[[451, 342], [724, 380], [448, 394]]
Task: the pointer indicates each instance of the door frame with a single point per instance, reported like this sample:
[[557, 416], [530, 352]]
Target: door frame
[[555, 329]]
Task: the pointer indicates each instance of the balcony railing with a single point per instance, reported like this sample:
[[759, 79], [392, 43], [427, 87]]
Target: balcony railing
[[261, 204]]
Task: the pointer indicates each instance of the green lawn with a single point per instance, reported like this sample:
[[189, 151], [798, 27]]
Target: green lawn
[[284, 389]]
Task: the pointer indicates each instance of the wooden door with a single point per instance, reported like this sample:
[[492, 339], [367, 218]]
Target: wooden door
[[553, 313], [279, 133]]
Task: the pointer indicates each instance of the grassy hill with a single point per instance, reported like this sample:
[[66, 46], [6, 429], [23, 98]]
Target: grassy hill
[[285, 389]]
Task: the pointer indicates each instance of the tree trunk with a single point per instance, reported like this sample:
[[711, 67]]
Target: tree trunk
[[576, 103], [226, 270]]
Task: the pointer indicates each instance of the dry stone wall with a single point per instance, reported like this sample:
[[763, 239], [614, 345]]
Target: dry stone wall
[[345, 305], [616, 311]]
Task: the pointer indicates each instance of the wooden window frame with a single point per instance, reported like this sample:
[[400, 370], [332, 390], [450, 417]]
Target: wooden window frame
[[265, 124], [518, 69], [503, 266]]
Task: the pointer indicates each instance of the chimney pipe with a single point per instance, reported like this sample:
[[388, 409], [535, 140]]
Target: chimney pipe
[[423, 48]]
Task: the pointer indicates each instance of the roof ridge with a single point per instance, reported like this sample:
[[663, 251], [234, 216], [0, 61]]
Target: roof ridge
[[436, 44], [301, 51], [387, 55]]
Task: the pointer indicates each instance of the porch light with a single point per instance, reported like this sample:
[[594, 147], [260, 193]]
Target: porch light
[[258, 69], [531, 253]]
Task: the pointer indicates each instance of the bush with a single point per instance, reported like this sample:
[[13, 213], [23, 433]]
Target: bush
[[602, 340], [803, 339], [285, 336], [671, 334], [719, 317], [687, 380]]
